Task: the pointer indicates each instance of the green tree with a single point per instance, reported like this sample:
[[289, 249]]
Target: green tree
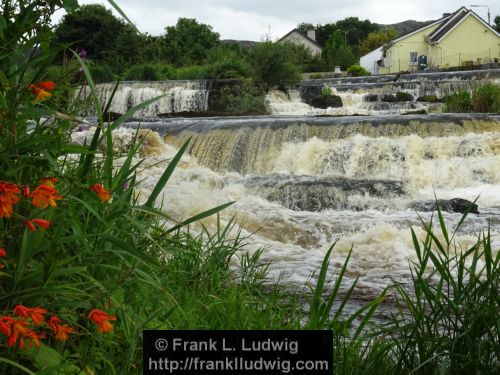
[[305, 26], [496, 21], [337, 53], [272, 64], [188, 41], [92, 27], [377, 39], [352, 29]]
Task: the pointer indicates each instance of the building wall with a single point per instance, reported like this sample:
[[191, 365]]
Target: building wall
[[471, 42], [398, 55], [297, 38], [369, 61]]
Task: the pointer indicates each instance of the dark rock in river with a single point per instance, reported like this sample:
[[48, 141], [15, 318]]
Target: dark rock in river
[[310, 193], [403, 97], [457, 205], [333, 101]]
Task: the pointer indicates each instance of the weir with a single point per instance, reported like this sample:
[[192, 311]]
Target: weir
[[306, 177]]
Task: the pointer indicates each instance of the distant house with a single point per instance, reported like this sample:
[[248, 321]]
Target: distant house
[[308, 41], [458, 39]]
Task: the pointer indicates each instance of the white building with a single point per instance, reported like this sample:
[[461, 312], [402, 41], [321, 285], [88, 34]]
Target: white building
[[309, 40], [372, 60]]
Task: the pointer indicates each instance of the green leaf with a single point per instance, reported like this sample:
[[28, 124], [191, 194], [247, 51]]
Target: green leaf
[[166, 175], [122, 13], [70, 5], [200, 216], [3, 25]]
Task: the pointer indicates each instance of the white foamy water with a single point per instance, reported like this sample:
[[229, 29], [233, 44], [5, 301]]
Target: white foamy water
[[280, 103], [295, 242]]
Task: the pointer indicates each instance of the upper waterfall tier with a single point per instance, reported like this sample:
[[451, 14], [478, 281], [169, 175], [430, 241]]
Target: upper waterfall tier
[[439, 84], [177, 96]]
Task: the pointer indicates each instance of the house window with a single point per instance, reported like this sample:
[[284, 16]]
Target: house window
[[413, 58]]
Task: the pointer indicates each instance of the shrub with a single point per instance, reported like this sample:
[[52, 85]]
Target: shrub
[[224, 62], [143, 72], [192, 72], [326, 91], [486, 98], [101, 73], [271, 64], [357, 71], [458, 102]]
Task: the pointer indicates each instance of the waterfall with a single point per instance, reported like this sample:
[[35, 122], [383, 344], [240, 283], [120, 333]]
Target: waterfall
[[178, 96], [255, 145]]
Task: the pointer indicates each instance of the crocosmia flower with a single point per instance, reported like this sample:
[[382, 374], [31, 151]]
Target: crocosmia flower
[[9, 195], [42, 89], [30, 224], [103, 194], [63, 331], [102, 320], [44, 196]]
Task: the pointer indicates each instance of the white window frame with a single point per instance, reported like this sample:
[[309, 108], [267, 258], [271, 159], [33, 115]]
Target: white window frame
[[415, 61]]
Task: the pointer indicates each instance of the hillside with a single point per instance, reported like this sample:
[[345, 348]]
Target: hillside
[[406, 27]]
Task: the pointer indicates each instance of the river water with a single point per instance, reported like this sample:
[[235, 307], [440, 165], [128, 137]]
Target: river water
[[301, 182]]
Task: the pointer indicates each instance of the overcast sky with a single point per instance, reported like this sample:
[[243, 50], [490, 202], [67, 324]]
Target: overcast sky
[[254, 19]]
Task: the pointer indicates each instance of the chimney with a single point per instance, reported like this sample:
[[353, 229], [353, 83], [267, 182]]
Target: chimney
[[311, 34]]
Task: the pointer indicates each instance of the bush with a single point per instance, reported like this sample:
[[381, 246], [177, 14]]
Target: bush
[[224, 62], [101, 73], [192, 72], [271, 64], [357, 71], [458, 102], [486, 98], [143, 72]]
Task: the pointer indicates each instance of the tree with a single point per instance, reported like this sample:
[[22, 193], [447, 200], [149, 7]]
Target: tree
[[337, 53], [352, 28], [188, 41], [377, 39], [496, 21], [91, 27], [304, 27], [272, 64]]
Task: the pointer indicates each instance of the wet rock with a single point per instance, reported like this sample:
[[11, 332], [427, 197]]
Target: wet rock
[[457, 205], [428, 99], [370, 98], [111, 116], [388, 98], [311, 193], [333, 101], [416, 112], [403, 97]]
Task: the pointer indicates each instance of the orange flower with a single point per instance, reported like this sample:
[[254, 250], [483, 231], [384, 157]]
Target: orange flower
[[34, 338], [49, 181], [41, 222], [26, 191], [44, 196], [6, 324], [62, 332], [3, 253], [35, 313], [19, 329], [54, 323], [102, 320], [9, 195], [42, 89], [101, 192], [47, 85]]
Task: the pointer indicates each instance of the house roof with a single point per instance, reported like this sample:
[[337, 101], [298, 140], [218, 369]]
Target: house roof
[[445, 27], [302, 35], [446, 24]]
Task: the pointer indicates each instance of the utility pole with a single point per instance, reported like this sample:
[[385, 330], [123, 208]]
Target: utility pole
[[485, 6]]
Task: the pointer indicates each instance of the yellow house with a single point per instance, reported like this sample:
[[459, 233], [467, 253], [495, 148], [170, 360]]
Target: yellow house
[[460, 39]]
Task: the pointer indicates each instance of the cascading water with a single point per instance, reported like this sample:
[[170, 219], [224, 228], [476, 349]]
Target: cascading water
[[302, 182], [177, 96]]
